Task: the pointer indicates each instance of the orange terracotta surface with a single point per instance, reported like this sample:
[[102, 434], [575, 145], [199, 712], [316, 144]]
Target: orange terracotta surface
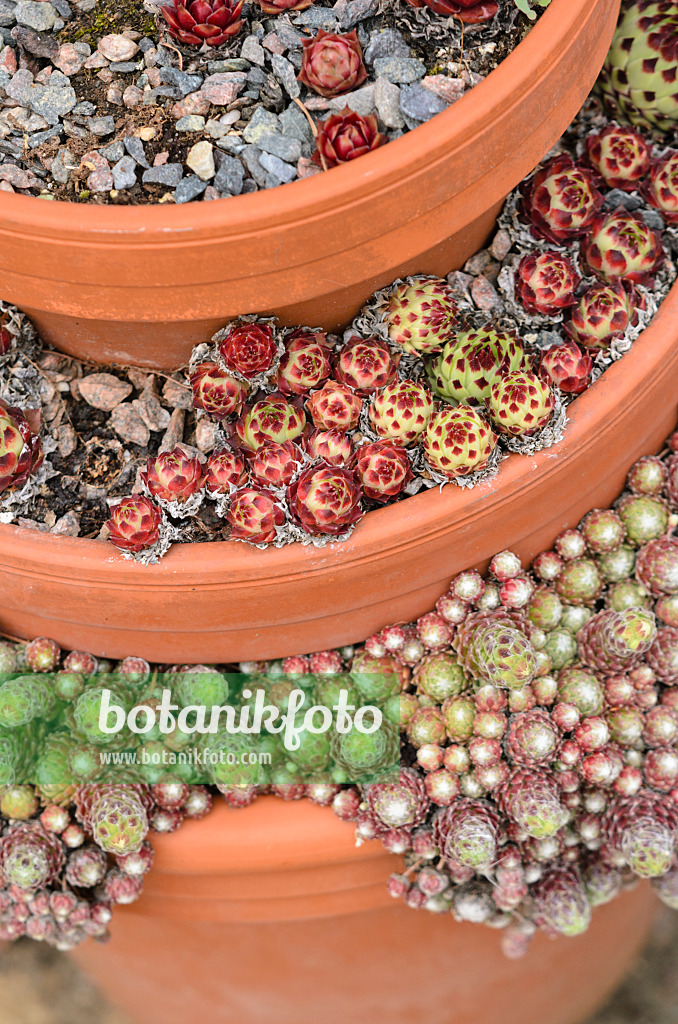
[[230, 601], [272, 913], [143, 285]]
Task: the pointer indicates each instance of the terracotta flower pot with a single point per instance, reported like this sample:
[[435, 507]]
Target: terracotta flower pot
[[228, 601], [272, 913], [143, 285]]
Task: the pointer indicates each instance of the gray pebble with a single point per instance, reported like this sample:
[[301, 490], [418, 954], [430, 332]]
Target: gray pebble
[[296, 59], [286, 74], [282, 146], [124, 67], [263, 122], [388, 43], [401, 70], [166, 174], [216, 67], [38, 16], [190, 188], [294, 124], [135, 148], [653, 219], [124, 175], [39, 137], [253, 51], [20, 85], [274, 165], [164, 57], [256, 76], [317, 17], [357, 11], [230, 176], [387, 102], [190, 123], [617, 197], [184, 82], [163, 90], [60, 171], [288, 36], [7, 17], [114, 152], [102, 125], [420, 104], [360, 100], [232, 144], [84, 109], [250, 155], [52, 103]]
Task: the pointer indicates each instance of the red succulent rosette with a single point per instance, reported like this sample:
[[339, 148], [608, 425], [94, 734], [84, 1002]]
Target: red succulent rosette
[[254, 516], [225, 470], [384, 470], [332, 63], [174, 476], [325, 500], [273, 418], [335, 407], [195, 22], [620, 245], [5, 336], [305, 364], [345, 136], [365, 365], [134, 523], [568, 367], [620, 155], [661, 189], [545, 282], [248, 349], [560, 201], [471, 12], [274, 464], [331, 446], [216, 392], [602, 314], [20, 446]]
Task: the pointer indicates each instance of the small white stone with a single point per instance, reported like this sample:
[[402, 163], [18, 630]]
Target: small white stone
[[201, 160], [117, 48]]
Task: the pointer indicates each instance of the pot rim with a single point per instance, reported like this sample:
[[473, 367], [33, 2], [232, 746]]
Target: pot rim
[[433, 141], [271, 834], [382, 532]]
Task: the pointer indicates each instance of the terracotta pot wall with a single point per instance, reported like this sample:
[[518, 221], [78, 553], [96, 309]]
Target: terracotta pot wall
[[228, 601], [241, 920]]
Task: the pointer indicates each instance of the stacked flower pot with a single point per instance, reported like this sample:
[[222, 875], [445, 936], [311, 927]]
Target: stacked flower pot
[[235, 917]]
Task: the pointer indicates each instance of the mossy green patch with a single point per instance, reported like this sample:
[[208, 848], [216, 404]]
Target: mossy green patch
[[109, 16]]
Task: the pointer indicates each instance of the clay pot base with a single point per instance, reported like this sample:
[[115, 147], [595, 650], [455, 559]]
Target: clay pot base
[[272, 912]]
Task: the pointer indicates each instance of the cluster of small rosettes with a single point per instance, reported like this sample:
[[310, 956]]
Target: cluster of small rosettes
[[535, 713], [541, 719], [72, 845]]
